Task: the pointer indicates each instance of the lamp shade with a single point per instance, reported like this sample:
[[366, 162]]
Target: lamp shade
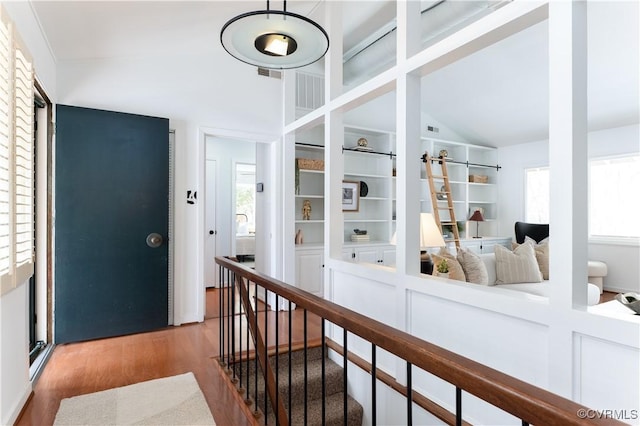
[[477, 216], [430, 235], [274, 39]]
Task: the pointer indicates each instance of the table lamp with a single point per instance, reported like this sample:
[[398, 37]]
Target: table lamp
[[430, 236], [477, 218]]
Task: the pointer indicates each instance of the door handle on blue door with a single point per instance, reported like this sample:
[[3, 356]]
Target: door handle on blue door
[[154, 240]]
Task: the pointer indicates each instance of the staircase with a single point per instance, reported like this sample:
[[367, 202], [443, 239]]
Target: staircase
[[334, 382]]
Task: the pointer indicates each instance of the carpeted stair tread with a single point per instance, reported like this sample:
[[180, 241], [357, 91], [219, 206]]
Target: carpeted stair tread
[[334, 412], [334, 396], [333, 382]]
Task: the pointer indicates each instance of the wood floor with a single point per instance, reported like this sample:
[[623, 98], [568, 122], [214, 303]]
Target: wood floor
[[80, 368]]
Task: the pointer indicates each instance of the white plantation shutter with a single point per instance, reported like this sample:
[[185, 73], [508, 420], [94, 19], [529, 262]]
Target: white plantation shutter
[[23, 166], [5, 120], [16, 159]]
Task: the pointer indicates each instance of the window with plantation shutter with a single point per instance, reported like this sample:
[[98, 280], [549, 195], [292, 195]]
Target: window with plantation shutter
[[23, 166], [5, 120], [16, 159]]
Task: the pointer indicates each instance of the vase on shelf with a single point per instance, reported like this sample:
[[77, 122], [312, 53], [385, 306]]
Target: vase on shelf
[[299, 236]]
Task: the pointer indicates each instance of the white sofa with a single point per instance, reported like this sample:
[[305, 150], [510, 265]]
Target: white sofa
[[539, 289]]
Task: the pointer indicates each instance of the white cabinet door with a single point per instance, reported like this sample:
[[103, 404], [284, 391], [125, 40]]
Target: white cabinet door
[[368, 255], [310, 271], [388, 256]]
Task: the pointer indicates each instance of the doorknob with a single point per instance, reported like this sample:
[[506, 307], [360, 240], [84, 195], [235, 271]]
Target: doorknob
[[154, 240], [212, 232]]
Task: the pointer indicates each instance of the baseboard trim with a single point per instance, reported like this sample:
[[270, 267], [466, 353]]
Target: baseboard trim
[[21, 406], [619, 290]]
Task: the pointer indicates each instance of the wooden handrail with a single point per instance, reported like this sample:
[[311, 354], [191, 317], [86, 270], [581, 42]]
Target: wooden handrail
[[530, 403], [269, 377]]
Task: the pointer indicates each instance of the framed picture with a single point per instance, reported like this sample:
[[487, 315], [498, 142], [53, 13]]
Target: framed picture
[[350, 196]]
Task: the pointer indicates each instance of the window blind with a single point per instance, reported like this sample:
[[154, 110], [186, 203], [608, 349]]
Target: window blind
[[16, 159]]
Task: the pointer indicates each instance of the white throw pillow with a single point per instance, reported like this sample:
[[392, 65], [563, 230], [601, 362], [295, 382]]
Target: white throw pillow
[[542, 254], [473, 267], [518, 266]]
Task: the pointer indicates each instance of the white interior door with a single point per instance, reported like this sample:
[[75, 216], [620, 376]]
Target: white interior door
[[210, 269]]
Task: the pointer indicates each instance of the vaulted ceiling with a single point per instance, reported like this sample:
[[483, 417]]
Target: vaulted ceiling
[[497, 97]]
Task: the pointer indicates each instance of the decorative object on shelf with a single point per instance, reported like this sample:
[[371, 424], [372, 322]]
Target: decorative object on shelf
[[440, 195], [393, 172], [443, 153], [477, 217], [299, 237], [630, 300], [364, 189], [297, 179], [306, 210], [443, 268], [360, 238], [350, 196], [363, 143], [274, 39], [309, 164], [478, 178], [360, 231]]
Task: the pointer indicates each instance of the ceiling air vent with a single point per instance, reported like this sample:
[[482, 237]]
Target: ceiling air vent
[[269, 73]]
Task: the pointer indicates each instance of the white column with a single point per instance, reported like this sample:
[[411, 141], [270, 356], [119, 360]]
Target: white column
[[333, 139], [407, 142], [568, 182]]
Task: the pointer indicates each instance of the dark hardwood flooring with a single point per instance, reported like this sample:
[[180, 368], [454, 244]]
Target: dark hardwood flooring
[[80, 368]]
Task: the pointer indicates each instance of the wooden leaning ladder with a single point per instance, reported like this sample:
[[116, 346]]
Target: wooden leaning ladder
[[446, 195]]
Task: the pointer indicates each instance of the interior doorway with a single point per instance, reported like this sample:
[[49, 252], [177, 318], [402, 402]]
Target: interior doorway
[[245, 206], [228, 162]]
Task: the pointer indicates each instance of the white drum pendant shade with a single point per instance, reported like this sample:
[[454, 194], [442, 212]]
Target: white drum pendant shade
[[274, 39]]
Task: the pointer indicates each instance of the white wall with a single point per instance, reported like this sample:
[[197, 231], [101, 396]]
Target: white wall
[[622, 260], [15, 386]]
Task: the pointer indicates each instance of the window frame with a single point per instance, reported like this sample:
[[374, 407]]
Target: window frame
[[608, 239]]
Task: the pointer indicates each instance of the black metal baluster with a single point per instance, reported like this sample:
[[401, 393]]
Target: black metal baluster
[[230, 276], [345, 361], [458, 406], [373, 384], [324, 382], [240, 316], [221, 316], [248, 332], [305, 367], [232, 353], [277, 357], [266, 353], [290, 362], [255, 346], [409, 396], [525, 423]]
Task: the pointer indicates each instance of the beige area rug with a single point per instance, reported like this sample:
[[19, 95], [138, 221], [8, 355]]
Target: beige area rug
[[175, 400]]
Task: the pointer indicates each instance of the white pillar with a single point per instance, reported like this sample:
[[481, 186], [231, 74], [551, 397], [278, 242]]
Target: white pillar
[[568, 182]]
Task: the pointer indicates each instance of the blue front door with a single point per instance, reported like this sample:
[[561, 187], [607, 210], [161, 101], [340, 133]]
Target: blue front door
[[111, 194]]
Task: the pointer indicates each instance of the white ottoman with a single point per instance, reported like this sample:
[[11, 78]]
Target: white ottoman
[[597, 271]]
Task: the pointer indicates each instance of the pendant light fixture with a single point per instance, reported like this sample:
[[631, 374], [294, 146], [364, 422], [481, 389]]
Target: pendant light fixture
[[274, 39]]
